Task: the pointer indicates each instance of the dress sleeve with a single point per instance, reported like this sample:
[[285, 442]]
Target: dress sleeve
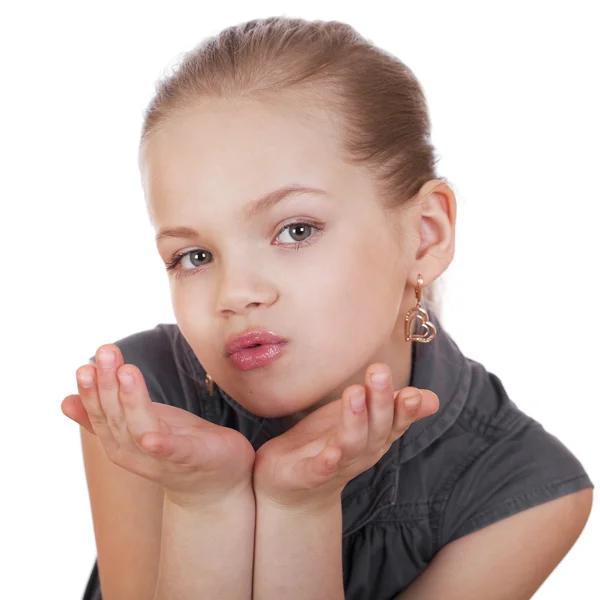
[[168, 381], [511, 471]]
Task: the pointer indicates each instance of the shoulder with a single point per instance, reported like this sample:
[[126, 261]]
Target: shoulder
[[150, 346], [496, 461]]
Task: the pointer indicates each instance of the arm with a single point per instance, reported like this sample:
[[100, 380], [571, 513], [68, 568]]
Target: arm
[[299, 477], [207, 552], [126, 514], [508, 560], [138, 562], [165, 526], [298, 554]]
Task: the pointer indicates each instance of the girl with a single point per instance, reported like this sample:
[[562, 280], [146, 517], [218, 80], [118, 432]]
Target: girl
[[307, 428]]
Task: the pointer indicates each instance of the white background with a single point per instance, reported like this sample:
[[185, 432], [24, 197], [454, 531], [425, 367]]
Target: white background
[[513, 93]]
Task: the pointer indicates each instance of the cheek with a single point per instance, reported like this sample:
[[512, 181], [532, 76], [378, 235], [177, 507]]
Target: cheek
[[191, 315], [362, 273], [355, 298], [181, 302]]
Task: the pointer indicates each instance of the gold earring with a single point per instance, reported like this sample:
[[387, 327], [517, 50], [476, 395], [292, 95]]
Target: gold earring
[[210, 384], [418, 312]]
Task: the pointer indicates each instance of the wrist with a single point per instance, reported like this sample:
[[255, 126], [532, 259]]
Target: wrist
[[211, 500], [315, 504]]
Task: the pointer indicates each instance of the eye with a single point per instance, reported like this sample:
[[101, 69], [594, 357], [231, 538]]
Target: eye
[[193, 255], [301, 230]]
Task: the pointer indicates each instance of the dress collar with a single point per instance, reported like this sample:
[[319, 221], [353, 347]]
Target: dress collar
[[441, 367]]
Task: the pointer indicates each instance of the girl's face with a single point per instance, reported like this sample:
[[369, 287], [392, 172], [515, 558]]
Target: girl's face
[[333, 286]]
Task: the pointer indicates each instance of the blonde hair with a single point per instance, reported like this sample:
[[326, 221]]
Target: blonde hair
[[373, 97]]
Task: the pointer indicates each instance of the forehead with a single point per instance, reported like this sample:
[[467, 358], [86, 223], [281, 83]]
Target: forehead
[[239, 150]]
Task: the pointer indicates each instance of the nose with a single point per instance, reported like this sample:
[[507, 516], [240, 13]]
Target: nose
[[241, 289]]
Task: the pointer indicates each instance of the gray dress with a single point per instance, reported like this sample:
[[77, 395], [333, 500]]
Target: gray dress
[[477, 460]]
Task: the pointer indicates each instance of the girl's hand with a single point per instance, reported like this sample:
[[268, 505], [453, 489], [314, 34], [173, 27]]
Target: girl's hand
[[308, 466], [192, 459]]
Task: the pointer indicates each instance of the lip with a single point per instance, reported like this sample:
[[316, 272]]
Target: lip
[[248, 359], [251, 338]]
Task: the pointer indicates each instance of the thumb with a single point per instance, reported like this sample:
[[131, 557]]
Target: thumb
[[326, 462], [315, 469], [187, 449], [72, 407]]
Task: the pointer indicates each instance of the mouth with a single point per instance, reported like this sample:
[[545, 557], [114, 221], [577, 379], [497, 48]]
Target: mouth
[[252, 339], [257, 346], [256, 356]]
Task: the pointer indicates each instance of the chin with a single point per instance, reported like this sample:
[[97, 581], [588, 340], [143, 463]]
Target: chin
[[271, 406], [274, 410]]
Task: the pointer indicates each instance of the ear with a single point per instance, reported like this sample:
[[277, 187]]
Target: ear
[[436, 207]]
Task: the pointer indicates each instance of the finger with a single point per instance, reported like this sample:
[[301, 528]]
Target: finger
[[353, 434], [380, 405], [108, 361], [73, 407], [407, 407], [407, 411], [90, 398], [136, 404]]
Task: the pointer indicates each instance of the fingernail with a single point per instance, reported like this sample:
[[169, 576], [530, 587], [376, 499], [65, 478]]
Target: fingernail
[[357, 400], [107, 359], [126, 380], [84, 379], [412, 402], [379, 379]]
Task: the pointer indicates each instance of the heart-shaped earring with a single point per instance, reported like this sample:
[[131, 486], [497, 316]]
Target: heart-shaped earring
[[418, 312]]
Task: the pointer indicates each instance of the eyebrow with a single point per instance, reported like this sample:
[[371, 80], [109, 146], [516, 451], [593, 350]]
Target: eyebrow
[[255, 207]]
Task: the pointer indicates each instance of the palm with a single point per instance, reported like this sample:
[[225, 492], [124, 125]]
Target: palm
[[214, 447], [207, 446], [319, 420], [311, 434], [223, 443]]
